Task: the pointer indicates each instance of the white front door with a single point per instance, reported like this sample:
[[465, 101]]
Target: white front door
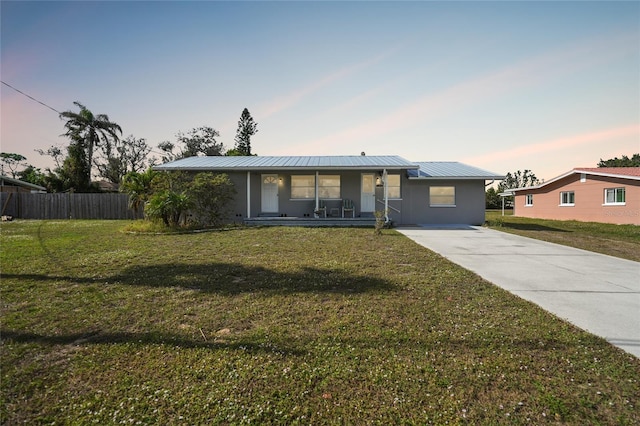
[[368, 193], [269, 194]]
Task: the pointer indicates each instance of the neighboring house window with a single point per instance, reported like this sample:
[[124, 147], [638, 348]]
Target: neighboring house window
[[329, 186], [303, 187], [442, 196], [567, 198], [528, 200], [393, 186], [614, 196]]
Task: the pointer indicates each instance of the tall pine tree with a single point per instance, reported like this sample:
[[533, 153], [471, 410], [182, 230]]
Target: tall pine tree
[[246, 128]]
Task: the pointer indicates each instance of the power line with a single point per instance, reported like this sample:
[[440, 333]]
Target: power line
[[31, 97]]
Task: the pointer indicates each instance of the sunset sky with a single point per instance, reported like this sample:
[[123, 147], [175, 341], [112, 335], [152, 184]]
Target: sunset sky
[[504, 86]]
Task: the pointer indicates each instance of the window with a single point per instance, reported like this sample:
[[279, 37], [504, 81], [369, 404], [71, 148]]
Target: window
[[393, 186], [329, 186], [440, 196], [614, 196], [567, 198], [528, 200], [303, 187]]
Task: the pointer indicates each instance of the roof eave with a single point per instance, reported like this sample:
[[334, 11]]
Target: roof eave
[[573, 172], [291, 168], [456, 177], [612, 175]]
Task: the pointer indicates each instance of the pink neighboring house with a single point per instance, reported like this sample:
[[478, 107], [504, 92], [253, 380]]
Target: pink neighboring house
[[604, 194]]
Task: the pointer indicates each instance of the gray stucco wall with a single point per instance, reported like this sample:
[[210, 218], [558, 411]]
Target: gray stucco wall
[[413, 208], [469, 208]]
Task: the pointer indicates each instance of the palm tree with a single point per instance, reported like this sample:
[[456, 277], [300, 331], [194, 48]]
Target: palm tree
[[89, 130], [138, 187]]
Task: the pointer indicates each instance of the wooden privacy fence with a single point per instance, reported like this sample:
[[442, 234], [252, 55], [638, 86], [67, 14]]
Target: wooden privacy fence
[[67, 206]]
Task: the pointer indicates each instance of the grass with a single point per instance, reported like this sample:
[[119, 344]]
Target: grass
[[614, 240], [282, 326]]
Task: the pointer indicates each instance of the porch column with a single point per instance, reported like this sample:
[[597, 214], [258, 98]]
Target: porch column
[[386, 195], [317, 197], [248, 195]]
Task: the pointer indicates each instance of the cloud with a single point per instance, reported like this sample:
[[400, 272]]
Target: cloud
[[531, 72], [289, 100], [557, 144]]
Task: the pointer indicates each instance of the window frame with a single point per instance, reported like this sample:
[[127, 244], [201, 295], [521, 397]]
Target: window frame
[[311, 189], [567, 203], [431, 196], [615, 197], [322, 188], [528, 200], [396, 188]]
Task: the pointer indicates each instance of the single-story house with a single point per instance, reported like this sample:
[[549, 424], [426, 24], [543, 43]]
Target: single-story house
[[603, 194], [349, 188], [8, 184]]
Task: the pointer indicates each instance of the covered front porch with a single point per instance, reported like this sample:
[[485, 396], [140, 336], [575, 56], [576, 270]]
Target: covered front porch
[[339, 197]]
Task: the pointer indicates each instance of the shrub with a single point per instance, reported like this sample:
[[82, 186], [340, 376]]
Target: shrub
[[169, 206]]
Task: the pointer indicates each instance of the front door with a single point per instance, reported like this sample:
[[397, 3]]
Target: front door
[[368, 193], [269, 193]]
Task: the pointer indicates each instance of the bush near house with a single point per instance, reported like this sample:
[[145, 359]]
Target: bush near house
[[282, 326], [179, 199]]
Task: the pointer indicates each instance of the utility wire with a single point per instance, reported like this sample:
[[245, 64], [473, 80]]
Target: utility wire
[[31, 97]]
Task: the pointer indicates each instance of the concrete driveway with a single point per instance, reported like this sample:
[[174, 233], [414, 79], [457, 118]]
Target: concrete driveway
[[598, 293]]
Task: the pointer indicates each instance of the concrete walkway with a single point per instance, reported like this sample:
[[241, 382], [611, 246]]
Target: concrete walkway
[[598, 293]]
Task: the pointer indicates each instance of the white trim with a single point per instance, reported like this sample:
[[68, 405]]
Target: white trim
[[563, 204], [576, 171], [386, 195], [615, 203], [248, 195], [317, 187]]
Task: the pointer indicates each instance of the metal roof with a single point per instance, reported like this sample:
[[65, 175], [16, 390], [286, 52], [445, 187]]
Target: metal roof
[[450, 170], [248, 163]]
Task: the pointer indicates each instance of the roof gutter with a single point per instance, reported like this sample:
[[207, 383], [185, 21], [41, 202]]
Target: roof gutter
[[492, 178]]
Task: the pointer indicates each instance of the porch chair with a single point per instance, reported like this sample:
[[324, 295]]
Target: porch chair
[[321, 211], [347, 206]]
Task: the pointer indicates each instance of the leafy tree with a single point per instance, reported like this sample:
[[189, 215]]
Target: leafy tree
[[247, 127], [12, 161], [55, 153], [167, 151], [624, 161], [138, 187], [518, 179], [88, 131], [33, 175], [120, 157], [492, 199], [75, 173], [198, 141]]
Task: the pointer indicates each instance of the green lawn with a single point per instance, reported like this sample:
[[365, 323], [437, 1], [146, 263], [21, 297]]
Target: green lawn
[[282, 326], [615, 240]]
